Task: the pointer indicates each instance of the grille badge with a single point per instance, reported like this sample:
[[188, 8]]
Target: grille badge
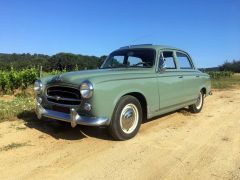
[[57, 98]]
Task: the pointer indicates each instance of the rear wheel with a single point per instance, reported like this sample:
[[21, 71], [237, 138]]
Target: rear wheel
[[126, 119], [197, 107]]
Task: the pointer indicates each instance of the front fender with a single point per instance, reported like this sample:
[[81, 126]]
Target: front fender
[[107, 94]]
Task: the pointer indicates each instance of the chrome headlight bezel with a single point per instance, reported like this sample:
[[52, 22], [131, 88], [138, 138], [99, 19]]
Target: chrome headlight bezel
[[38, 86], [86, 89]]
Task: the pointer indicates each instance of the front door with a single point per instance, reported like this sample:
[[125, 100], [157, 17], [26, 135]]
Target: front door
[[170, 81]]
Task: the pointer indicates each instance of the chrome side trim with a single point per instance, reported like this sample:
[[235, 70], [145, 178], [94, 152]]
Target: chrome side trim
[[74, 118]]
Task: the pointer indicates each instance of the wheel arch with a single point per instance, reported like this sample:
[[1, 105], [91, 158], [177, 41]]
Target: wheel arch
[[204, 90], [142, 99]]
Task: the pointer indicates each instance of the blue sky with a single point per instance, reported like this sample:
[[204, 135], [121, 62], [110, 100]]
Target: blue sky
[[208, 29]]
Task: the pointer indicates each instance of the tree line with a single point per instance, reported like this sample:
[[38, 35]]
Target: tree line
[[233, 66], [70, 62], [60, 61]]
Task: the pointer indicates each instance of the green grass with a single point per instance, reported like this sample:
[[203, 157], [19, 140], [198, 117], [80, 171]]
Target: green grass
[[226, 82], [12, 108], [12, 146]]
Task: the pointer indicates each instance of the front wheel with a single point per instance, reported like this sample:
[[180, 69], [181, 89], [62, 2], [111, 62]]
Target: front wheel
[[197, 107], [126, 119]]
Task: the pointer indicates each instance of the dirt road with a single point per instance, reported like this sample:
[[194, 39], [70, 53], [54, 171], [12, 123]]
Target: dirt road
[[179, 145]]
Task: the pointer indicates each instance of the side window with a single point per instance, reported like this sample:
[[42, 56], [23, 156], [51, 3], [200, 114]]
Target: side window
[[169, 60], [117, 60], [183, 61]]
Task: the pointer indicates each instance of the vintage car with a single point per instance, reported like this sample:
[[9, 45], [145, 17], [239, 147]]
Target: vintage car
[[134, 83]]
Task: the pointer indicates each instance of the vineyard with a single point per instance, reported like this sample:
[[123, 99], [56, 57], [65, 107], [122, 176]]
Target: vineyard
[[220, 74], [13, 80]]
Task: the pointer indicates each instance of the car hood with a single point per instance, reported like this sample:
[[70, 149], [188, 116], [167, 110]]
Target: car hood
[[99, 75]]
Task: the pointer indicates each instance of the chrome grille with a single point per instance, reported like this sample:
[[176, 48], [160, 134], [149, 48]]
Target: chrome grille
[[64, 95]]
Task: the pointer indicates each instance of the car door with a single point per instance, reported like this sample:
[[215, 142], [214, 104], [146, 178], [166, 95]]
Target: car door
[[170, 83], [190, 76]]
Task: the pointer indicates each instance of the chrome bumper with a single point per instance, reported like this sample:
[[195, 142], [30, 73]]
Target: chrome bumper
[[74, 118]]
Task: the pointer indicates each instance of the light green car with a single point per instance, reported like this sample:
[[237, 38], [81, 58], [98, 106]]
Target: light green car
[[133, 84]]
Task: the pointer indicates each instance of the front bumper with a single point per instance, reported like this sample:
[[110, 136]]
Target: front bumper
[[74, 118]]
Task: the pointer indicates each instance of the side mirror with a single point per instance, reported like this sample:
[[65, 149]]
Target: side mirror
[[162, 65]]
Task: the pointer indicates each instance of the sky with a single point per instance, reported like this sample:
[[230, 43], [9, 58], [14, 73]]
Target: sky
[[209, 30]]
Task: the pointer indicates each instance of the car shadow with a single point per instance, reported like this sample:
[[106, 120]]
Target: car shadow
[[62, 130]]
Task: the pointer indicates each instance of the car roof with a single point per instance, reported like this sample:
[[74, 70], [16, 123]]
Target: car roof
[[150, 46]]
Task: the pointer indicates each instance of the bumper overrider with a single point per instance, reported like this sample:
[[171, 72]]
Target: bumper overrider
[[74, 118]]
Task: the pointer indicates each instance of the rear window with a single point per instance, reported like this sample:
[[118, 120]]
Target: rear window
[[183, 61]]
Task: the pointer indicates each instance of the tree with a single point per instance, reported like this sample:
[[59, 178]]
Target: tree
[[233, 66]]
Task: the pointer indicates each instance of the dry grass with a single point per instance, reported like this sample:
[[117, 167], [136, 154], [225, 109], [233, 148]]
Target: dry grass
[[13, 146], [226, 82], [21, 128]]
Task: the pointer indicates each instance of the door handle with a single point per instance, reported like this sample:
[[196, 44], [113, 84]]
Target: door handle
[[180, 76]]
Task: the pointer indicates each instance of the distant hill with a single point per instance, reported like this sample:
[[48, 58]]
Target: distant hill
[[233, 66], [210, 69]]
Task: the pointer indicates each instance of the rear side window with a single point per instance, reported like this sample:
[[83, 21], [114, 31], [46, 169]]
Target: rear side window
[[169, 60], [183, 61]]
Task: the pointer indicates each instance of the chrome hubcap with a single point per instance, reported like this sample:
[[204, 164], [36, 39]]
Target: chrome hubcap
[[199, 101], [129, 118]]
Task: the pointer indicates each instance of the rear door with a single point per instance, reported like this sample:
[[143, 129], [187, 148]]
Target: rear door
[[170, 81], [190, 76]]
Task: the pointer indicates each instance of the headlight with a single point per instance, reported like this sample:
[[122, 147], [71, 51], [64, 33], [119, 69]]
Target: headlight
[[86, 89], [38, 86]]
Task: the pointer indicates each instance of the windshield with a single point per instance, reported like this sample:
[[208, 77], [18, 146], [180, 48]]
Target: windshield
[[142, 58]]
